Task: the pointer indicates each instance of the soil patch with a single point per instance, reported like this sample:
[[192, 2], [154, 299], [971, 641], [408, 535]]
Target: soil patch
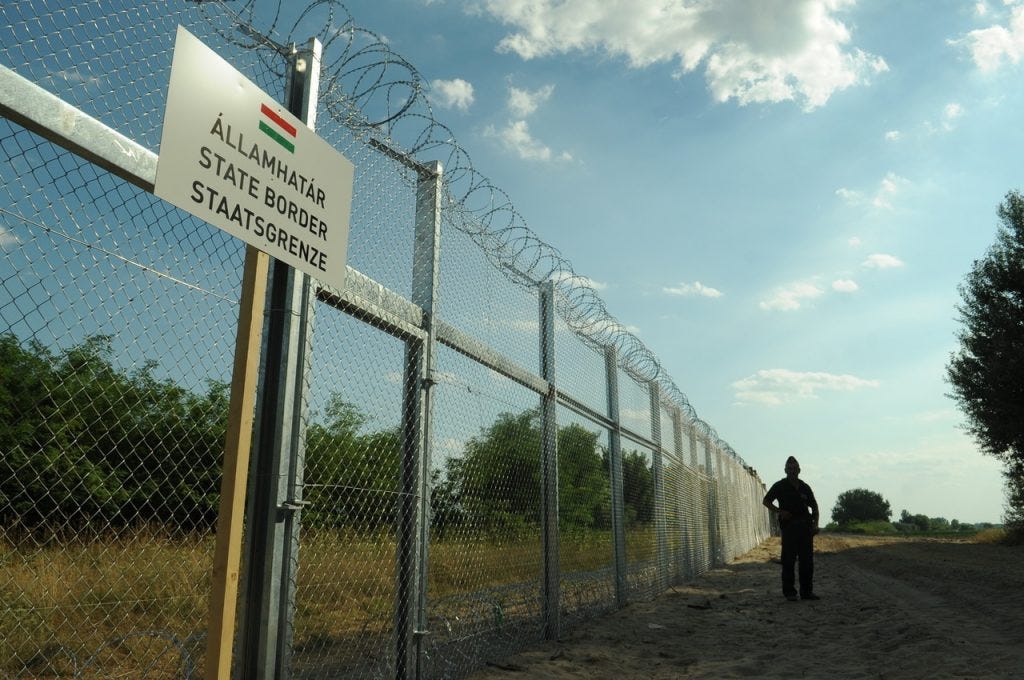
[[891, 608]]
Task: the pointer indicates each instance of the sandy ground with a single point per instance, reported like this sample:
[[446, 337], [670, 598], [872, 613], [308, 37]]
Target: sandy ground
[[890, 608]]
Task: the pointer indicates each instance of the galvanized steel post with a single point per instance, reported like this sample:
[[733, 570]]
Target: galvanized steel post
[[615, 474], [275, 492], [550, 540], [658, 465], [712, 500], [700, 528], [414, 474], [684, 561]]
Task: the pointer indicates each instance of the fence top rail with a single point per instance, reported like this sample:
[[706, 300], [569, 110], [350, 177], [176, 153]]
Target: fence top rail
[[45, 114]]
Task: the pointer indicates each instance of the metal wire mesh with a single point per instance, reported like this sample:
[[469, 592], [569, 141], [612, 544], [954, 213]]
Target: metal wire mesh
[[485, 559], [419, 406], [116, 331]]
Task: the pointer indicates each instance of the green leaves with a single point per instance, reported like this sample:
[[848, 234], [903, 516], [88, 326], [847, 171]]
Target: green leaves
[[987, 372], [82, 441], [496, 482], [860, 505]]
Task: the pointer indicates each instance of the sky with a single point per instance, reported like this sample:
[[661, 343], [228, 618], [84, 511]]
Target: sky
[[778, 197]]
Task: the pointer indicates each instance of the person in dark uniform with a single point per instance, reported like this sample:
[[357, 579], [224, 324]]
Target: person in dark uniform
[[798, 518]]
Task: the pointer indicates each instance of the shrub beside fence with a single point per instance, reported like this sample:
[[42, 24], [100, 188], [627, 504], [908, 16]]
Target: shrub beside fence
[[458, 453]]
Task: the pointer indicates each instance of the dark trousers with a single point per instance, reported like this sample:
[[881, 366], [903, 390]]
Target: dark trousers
[[797, 544]]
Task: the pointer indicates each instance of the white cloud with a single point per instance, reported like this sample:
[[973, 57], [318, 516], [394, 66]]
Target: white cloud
[[451, 447], [991, 46], [453, 94], [947, 121], [609, 326], [882, 261], [890, 186], [635, 415], [524, 102], [776, 386], [76, 76], [893, 136], [951, 113], [516, 137], [791, 297], [577, 280], [845, 286], [849, 195], [980, 8], [695, 288], [854, 241], [7, 239], [764, 51]]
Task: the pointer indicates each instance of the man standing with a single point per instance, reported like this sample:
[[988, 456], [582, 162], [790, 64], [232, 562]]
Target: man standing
[[798, 519]]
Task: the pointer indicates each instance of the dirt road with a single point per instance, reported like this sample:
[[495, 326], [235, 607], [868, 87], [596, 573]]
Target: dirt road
[[891, 609]]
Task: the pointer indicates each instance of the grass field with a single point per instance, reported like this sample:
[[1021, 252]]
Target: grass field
[[118, 606]]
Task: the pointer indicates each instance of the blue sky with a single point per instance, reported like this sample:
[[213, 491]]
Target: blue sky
[[778, 197]]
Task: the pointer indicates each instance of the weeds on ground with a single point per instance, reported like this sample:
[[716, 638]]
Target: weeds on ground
[[1011, 536]]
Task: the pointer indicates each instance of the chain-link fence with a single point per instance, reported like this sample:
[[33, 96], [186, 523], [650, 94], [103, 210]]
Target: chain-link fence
[[460, 452]]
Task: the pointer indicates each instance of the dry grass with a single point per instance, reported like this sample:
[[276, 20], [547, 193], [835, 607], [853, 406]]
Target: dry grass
[[82, 605], [990, 536]]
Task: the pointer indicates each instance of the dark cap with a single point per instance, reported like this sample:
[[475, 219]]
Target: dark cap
[[792, 461]]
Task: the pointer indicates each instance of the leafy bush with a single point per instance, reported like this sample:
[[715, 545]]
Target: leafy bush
[[81, 440], [860, 505]]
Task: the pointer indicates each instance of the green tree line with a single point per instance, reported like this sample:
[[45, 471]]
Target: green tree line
[[860, 509], [82, 441], [85, 443], [496, 483]]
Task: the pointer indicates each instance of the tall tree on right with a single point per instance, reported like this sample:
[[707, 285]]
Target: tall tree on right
[[987, 371]]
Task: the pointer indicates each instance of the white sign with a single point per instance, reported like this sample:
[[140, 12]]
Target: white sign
[[237, 159]]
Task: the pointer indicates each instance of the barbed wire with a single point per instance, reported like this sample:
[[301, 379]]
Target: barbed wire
[[372, 90]]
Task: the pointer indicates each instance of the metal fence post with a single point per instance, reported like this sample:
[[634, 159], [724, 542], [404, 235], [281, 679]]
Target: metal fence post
[[658, 465], [699, 528], [713, 476], [550, 540], [721, 505], [615, 473], [692, 432], [725, 517], [275, 494], [414, 475], [684, 558]]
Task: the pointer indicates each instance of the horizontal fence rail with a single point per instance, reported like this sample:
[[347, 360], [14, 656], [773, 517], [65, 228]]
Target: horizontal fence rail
[[458, 452]]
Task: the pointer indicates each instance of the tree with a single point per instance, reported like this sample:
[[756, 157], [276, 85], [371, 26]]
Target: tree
[[637, 488], [919, 522], [496, 482], [83, 441], [860, 505], [584, 492], [351, 475], [987, 371], [1014, 517]]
